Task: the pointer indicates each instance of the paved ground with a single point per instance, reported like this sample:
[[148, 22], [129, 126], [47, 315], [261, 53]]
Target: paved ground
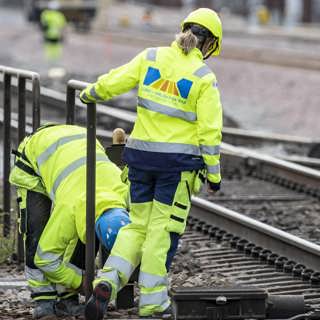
[[257, 96]]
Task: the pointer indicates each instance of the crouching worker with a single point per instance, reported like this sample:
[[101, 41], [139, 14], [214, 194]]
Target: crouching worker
[[50, 176]]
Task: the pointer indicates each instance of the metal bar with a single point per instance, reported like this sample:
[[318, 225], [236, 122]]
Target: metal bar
[[35, 102], [74, 85], [21, 135], [21, 108], [71, 101], [15, 72], [6, 153], [90, 204]]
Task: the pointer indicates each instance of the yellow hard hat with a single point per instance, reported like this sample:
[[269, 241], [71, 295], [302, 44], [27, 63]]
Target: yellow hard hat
[[210, 20]]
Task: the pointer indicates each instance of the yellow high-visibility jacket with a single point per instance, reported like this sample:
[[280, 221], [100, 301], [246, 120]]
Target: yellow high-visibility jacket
[[53, 23], [53, 161], [179, 111]]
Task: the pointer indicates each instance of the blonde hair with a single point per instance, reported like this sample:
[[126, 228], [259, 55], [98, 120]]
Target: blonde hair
[[187, 41]]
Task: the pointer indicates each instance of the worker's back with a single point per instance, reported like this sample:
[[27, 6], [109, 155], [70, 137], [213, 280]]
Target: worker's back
[[174, 90], [58, 155]]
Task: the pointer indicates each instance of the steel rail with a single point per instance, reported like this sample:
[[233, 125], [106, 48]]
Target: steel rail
[[308, 177], [258, 136], [259, 233], [258, 139]]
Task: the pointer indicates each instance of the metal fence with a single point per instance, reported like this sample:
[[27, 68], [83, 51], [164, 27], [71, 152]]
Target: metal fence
[[22, 76], [125, 298]]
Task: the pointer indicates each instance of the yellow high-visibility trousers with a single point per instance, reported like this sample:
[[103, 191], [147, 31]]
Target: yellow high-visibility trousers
[[159, 206]]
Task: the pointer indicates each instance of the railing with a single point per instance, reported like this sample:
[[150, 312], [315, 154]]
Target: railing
[[22, 76], [125, 298], [72, 88]]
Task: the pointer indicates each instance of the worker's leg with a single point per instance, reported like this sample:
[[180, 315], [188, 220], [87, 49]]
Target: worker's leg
[[167, 222], [57, 237], [127, 250], [34, 214]]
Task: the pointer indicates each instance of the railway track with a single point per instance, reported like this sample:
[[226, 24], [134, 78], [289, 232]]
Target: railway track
[[295, 149], [230, 249], [236, 248], [299, 150]]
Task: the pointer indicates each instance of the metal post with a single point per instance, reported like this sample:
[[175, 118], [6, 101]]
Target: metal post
[[6, 153], [21, 135], [35, 102], [74, 85], [90, 204], [71, 100]]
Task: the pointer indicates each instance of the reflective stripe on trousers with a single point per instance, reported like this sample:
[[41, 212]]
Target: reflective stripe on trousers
[[120, 265], [159, 299], [110, 275], [148, 280], [37, 282], [213, 169], [34, 274], [54, 261]]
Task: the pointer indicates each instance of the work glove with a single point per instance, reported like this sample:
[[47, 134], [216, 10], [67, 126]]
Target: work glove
[[213, 187], [82, 97]]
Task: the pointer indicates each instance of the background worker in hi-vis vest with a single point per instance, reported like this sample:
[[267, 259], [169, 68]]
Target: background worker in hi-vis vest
[[175, 140], [50, 176]]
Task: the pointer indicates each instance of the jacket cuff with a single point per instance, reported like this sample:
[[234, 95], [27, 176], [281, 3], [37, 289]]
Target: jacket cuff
[[84, 98], [76, 281], [214, 186]]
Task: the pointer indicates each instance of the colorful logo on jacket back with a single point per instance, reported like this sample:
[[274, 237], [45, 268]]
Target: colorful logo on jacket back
[[180, 88]]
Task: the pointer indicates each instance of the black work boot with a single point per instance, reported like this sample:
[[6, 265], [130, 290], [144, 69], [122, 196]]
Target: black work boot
[[69, 307], [98, 302], [44, 309]]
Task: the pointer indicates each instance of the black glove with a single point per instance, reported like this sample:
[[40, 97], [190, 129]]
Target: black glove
[[213, 187]]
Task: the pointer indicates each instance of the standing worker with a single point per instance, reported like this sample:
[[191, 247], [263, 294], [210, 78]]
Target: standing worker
[[53, 23], [176, 139], [50, 175]]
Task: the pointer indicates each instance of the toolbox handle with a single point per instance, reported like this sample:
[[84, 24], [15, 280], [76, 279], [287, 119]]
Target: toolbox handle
[[220, 300]]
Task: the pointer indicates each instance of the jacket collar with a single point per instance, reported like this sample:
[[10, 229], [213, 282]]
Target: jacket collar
[[194, 52]]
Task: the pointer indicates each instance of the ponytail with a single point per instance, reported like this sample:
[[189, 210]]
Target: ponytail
[[187, 41]]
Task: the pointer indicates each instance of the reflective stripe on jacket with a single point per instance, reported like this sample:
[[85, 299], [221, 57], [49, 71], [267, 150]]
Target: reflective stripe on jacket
[[179, 121]]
